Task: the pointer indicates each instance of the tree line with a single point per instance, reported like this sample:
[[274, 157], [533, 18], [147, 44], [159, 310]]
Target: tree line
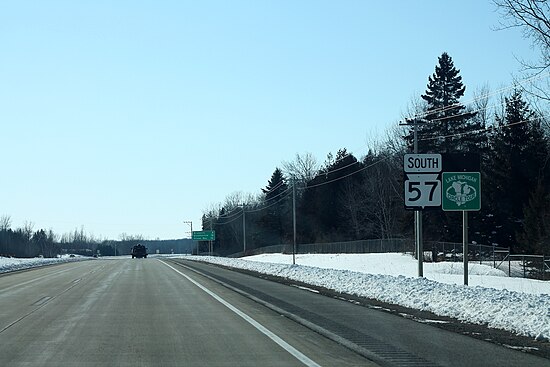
[[25, 242], [352, 198]]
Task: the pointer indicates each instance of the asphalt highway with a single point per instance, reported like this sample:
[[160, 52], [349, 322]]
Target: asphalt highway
[[148, 312]]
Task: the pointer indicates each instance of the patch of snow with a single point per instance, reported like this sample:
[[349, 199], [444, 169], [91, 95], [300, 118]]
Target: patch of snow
[[518, 305], [8, 264]]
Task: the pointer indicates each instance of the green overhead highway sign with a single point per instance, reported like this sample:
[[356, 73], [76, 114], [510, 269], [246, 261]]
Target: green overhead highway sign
[[203, 235]]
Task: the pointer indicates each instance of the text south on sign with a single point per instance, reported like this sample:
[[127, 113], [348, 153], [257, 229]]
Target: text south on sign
[[424, 163]]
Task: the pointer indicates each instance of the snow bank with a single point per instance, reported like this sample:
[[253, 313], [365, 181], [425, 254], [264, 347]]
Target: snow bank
[[519, 312], [8, 264]]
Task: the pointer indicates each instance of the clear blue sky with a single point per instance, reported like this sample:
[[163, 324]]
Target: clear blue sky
[[134, 116]]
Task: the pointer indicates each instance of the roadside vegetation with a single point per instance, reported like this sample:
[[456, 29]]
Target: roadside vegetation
[[349, 197]]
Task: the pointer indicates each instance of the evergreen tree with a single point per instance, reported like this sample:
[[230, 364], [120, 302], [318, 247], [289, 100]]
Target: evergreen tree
[[446, 126], [535, 237], [40, 240], [274, 217], [275, 186], [517, 163]]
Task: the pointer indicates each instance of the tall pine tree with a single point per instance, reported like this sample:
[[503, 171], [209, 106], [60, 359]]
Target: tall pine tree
[[276, 213], [446, 125], [275, 186]]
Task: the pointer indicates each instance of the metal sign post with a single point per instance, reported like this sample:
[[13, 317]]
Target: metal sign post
[[191, 224], [462, 192], [422, 189], [465, 244]]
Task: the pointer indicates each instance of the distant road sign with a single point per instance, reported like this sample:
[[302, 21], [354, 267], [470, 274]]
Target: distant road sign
[[203, 235]]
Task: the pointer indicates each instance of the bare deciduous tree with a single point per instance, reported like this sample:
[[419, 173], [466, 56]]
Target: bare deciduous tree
[[383, 194], [28, 230], [533, 17], [304, 167], [416, 108], [481, 104], [354, 204], [237, 199], [210, 214], [5, 222]]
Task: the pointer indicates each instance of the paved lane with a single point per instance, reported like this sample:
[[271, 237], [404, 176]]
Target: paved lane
[[141, 312], [384, 337]]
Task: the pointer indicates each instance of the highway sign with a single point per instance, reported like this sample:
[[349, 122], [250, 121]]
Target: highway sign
[[422, 180], [461, 191], [428, 163], [204, 235], [422, 190]]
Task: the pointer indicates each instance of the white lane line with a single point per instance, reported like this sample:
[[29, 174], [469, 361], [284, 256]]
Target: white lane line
[[289, 348]]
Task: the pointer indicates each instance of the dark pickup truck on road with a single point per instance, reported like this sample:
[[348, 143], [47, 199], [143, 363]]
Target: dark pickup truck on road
[[139, 251]]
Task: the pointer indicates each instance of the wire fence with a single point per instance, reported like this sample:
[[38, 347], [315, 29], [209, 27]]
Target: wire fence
[[523, 266], [347, 247], [526, 266], [453, 251]]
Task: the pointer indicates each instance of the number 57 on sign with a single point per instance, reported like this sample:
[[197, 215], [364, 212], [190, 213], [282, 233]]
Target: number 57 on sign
[[422, 190]]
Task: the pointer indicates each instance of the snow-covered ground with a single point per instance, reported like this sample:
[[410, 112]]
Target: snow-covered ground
[[402, 264], [518, 305], [8, 264]]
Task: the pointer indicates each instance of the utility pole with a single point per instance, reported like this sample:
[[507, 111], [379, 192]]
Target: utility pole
[[417, 213], [418, 216], [191, 224], [244, 231], [211, 245], [294, 220]]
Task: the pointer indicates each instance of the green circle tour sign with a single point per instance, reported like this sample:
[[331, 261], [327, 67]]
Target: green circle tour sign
[[461, 191]]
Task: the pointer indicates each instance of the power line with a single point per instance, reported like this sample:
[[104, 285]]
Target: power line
[[279, 184], [424, 114], [272, 204], [307, 187], [230, 215], [348, 175], [490, 128], [235, 217]]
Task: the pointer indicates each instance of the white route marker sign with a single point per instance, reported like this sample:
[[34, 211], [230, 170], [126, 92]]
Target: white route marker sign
[[422, 180]]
